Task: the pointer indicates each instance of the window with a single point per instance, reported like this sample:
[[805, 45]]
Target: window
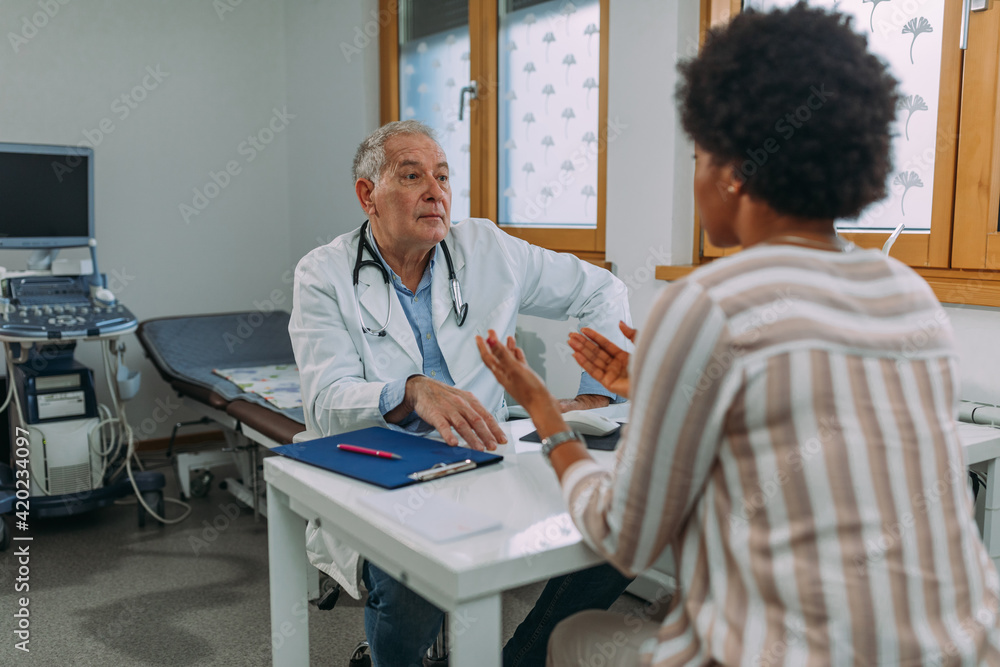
[[946, 183], [526, 147]]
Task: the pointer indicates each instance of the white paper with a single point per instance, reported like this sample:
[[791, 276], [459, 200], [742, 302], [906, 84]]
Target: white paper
[[430, 515]]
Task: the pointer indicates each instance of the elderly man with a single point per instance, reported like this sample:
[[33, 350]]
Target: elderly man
[[383, 337]]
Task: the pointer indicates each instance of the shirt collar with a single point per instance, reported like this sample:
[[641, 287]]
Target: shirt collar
[[396, 280]]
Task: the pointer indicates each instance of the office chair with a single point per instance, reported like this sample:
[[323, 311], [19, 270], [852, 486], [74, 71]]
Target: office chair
[[437, 654]]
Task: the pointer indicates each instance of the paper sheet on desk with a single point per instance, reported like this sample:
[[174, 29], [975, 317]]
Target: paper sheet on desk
[[433, 517]]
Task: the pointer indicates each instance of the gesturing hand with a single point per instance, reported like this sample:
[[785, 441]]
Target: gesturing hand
[[508, 365], [603, 360], [443, 407]]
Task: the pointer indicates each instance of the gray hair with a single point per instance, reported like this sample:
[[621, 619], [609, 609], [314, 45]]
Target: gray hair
[[369, 161]]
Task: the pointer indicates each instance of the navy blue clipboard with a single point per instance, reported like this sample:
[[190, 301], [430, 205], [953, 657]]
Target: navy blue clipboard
[[417, 455]]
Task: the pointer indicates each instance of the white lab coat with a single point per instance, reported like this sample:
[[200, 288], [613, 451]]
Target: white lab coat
[[343, 370]]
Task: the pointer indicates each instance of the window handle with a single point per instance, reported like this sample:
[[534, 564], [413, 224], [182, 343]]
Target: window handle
[[969, 6], [892, 239], [473, 90]]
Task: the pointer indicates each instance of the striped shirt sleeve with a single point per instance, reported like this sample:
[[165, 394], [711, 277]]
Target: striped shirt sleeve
[[678, 372]]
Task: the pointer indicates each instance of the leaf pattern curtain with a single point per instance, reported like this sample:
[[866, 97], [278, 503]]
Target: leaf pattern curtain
[[907, 35], [433, 68], [549, 58]]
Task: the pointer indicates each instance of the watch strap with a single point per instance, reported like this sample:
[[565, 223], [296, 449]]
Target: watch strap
[[556, 439]]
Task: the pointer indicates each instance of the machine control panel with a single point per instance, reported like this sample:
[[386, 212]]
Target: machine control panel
[[58, 307]]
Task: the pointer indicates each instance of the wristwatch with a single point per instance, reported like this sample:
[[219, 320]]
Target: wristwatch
[[556, 439]]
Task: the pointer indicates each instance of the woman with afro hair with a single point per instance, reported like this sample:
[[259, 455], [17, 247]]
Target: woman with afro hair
[[791, 438]]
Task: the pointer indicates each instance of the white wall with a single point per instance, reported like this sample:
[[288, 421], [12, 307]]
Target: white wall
[[976, 329], [227, 73], [650, 202], [223, 75], [332, 75]]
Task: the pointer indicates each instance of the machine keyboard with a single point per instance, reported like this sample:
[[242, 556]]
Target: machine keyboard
[[56, 321]]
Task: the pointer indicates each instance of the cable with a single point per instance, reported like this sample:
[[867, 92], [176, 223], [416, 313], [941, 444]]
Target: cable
[[27, 427], [10, 377], [111, 376]]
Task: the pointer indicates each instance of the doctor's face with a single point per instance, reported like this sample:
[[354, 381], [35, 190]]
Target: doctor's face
[[410, 208]]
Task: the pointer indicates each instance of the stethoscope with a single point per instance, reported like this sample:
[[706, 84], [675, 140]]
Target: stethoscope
[[366, 243]]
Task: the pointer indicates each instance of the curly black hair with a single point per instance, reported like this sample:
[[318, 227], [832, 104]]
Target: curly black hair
[[793, 100]]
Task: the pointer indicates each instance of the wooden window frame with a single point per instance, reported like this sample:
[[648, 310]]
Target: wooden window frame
[[483, 61], [960, 257]]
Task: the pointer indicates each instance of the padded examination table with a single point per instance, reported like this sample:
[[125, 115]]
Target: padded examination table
[[187, 348]]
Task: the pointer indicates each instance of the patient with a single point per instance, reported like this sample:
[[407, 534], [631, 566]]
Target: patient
[[792, 436]]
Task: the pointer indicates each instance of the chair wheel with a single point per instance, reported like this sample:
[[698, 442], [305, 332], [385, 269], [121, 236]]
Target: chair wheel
[[201, 484], [360, 657], [329, 593]]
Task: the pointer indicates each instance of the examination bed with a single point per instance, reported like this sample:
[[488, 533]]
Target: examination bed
[[186, 349]]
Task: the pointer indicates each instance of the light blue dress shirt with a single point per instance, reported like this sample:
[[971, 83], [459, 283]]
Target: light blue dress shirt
[[417, 308]]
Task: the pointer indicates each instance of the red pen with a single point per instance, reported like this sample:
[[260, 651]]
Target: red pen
[[369, 452]]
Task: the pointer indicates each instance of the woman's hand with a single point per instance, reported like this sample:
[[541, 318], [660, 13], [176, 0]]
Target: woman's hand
[[603, 360], [508, 365]]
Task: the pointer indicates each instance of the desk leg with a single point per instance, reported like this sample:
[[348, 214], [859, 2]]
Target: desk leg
[[473, 626], [287, 567], [991, 518]]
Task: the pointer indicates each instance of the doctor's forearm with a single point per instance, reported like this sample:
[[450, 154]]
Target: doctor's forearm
[[403, 410], [584, 402]]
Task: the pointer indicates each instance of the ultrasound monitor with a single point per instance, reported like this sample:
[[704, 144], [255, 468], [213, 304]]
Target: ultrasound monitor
[[46, 196]]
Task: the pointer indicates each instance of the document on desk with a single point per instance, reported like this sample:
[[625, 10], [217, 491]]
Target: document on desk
[[432, 516], [419, 459]]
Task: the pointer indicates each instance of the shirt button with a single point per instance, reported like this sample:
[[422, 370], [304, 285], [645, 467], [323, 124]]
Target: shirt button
[[415, 299], [433, 373], [428, 336]]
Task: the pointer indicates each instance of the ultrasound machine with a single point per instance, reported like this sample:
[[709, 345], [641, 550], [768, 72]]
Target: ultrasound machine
[[66, 453]]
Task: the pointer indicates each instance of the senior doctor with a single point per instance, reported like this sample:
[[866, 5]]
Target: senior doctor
[[397, 349]]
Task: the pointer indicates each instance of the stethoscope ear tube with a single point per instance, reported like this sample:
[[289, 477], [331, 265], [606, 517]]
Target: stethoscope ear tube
[[358, 265]]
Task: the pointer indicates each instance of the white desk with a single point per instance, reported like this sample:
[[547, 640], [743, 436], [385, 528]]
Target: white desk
[[466, 577], [981, 446]]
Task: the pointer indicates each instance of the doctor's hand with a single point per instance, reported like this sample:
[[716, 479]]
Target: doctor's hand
[[444, 407], [508, 365], [603, 360]]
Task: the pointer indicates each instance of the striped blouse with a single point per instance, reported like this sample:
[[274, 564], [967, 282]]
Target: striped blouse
[[792, 441]]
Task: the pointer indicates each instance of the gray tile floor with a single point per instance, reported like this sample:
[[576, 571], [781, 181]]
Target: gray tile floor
[[104, 592]]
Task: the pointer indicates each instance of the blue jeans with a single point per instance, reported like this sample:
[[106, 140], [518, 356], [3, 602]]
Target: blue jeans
[[401, 625]]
